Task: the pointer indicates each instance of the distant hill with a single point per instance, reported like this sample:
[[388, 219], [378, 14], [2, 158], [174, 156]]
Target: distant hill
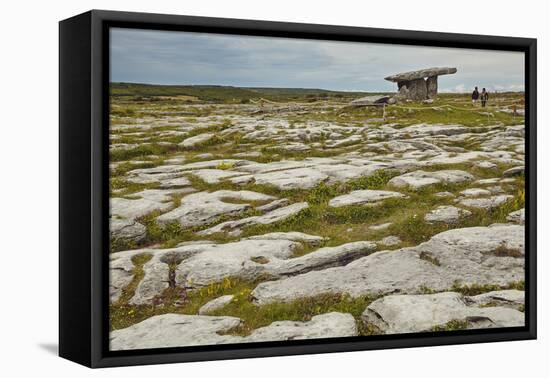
[[219, 93]]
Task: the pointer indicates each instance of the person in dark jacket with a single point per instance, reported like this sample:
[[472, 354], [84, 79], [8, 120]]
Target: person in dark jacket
[[475, 96], [484, 97]]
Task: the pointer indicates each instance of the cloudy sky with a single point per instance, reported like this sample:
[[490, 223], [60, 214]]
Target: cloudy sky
[[162, 57]]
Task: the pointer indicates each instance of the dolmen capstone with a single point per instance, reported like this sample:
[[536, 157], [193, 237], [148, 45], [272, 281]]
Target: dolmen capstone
[[419, 85]]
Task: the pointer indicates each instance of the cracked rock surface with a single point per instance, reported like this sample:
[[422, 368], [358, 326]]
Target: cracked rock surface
[[235, 220], [422, 313], [172, 330], [467, 256]]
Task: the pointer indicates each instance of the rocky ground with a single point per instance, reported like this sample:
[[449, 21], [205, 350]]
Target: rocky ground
[[255, 222]]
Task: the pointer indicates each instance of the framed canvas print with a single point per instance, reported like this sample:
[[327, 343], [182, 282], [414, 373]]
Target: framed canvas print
[[233, 188]]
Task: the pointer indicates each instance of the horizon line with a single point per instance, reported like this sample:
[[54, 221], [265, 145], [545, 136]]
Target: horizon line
[[303, 88]]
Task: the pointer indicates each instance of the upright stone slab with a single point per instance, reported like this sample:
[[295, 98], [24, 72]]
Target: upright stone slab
[[418, 90], [431, 84]]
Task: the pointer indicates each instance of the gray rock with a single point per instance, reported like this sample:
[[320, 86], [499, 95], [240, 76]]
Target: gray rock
[[419, 179], [135, 208], [203, 208], [204, 156], [320, 259], [238, 163], [421, 74], [486, 203], [496, 189], [300, 178], [446, 214], [333, 324], [196, 140], [505, 298], [444, 194], [121, 270], [215, 304], [465, 256], [490, 181], [352, 139], [312, 240], [420, 313], [127, 229], [475, 192], [273, 205], [215, 176], [427, 129], [277, 215], [431, 85], [370, 100], [382, 226], [390, 241], [362, 197], [485, 164], [515, 171], [160, 174], [345, 172], [417, 90], [517, 216], [249, 259], [174, 330], [199, 265], [176, 183]]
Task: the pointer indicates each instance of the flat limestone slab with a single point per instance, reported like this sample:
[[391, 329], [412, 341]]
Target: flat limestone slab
[[199, 265], [421, 313], [421, 74], [361, 197], [215, 304], [235, 227], [419, 179], [370, 100], [466, 256], [517, 216], [486, 203], [173, 330], [203, 208], [446, 214], [127, 229], [135, 208], [198, 139]]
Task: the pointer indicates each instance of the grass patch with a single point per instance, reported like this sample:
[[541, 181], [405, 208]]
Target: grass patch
[[225, 166], [429, 258], [453, 325], [121, 244], [139, 261], [141, 151], [503, 251], [480, 289]]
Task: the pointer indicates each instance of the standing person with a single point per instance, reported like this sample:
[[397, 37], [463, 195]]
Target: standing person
[[484, 97], [475, 96]]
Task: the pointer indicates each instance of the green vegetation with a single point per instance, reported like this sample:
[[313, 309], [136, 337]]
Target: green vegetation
[[216, 93], [480, 289], [453, 325]]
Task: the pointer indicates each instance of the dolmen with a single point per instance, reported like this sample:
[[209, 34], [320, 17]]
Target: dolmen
[[419, 85]]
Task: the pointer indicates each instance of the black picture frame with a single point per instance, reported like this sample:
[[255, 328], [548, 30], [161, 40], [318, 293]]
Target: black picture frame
[[83, 180]]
